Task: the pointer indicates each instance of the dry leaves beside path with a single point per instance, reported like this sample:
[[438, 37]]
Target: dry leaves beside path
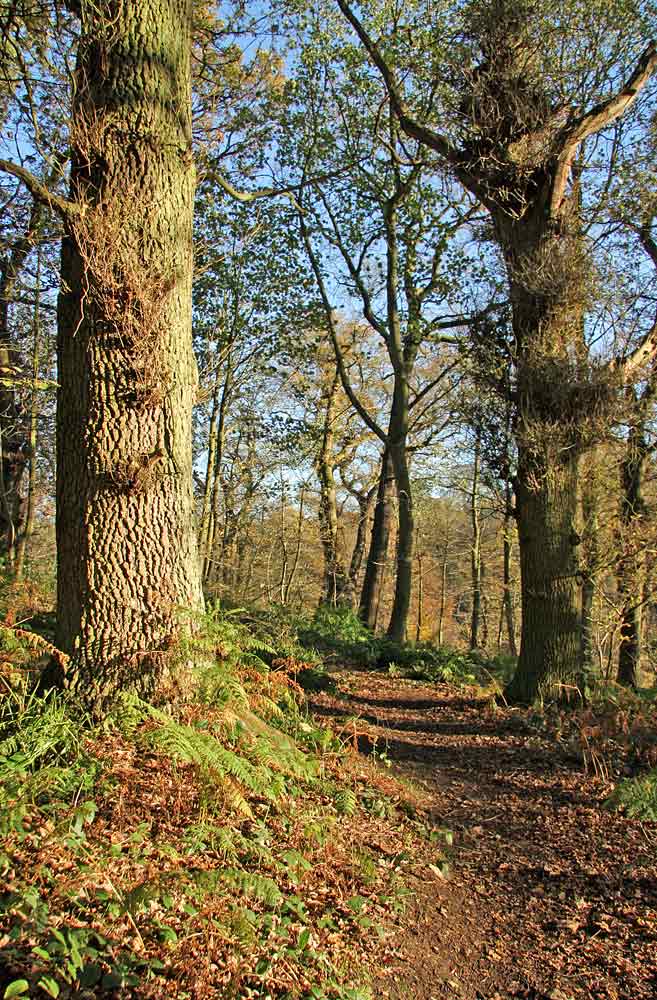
[[550, 897]]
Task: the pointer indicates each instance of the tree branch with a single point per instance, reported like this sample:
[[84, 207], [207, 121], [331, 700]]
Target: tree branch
[[646, 352], [339, 356], [413, 128], [246, 197], [597, 118], [67, 209]]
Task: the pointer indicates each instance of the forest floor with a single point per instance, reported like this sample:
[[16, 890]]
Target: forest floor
[[549, 896]]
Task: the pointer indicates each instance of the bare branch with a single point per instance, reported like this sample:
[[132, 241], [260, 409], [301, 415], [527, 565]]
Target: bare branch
[[362, 411], [66, 209], [598, 118], [646, 352], [246, 197]]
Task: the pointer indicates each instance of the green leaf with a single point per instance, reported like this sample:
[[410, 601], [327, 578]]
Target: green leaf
[[51, 986], [167, 934], [16, 988]]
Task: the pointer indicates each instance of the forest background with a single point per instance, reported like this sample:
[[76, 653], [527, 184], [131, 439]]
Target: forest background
[[372, 415], [328, 338]]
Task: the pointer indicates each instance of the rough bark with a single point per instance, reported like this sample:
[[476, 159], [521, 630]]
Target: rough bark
[[547, 278], [590, 564], [125, 515], [550, 636]]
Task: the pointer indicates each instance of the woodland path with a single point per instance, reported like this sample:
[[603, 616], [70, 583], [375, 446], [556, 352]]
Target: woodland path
[[549, 896]]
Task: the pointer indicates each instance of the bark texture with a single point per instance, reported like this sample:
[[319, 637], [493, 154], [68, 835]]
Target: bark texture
[[125, 516]]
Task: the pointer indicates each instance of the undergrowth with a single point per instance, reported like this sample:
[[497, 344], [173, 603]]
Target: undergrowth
[[636, 797], [336, 635], [614, 734], [199, 846]]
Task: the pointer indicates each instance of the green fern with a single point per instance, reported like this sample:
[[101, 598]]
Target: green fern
[[258, 886], [36, 730], [345, 801]]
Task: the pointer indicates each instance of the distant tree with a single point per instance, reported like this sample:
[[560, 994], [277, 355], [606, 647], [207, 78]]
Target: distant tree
[[382, 226]]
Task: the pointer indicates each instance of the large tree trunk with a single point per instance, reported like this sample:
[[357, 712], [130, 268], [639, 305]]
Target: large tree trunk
[[546, 502], [590, 564], [379, 541], [125, 513], [547, 279]]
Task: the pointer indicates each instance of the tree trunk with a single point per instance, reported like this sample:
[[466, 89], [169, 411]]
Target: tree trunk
[[297, 549], [547, 279], [206, 527], [440, 633], [589, 565], [420, 598], [14, 421], [126, 541], [216, 445], [406, 531], [336, 585], [397, 444], [631, 571], [378, 552], [550, 637], [365, 504], [508, 583], [24, 538], [475, 551]]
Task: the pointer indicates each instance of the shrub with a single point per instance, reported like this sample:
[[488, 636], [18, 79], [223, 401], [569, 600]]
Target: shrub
[[636, 797]]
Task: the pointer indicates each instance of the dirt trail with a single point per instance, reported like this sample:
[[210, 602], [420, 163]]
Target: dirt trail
[[549, 897]]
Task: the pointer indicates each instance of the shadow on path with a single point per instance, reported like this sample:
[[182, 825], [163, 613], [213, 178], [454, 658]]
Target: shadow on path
[[552, 896]]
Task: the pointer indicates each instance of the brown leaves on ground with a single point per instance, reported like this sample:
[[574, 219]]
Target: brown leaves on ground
[[551, 897]]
